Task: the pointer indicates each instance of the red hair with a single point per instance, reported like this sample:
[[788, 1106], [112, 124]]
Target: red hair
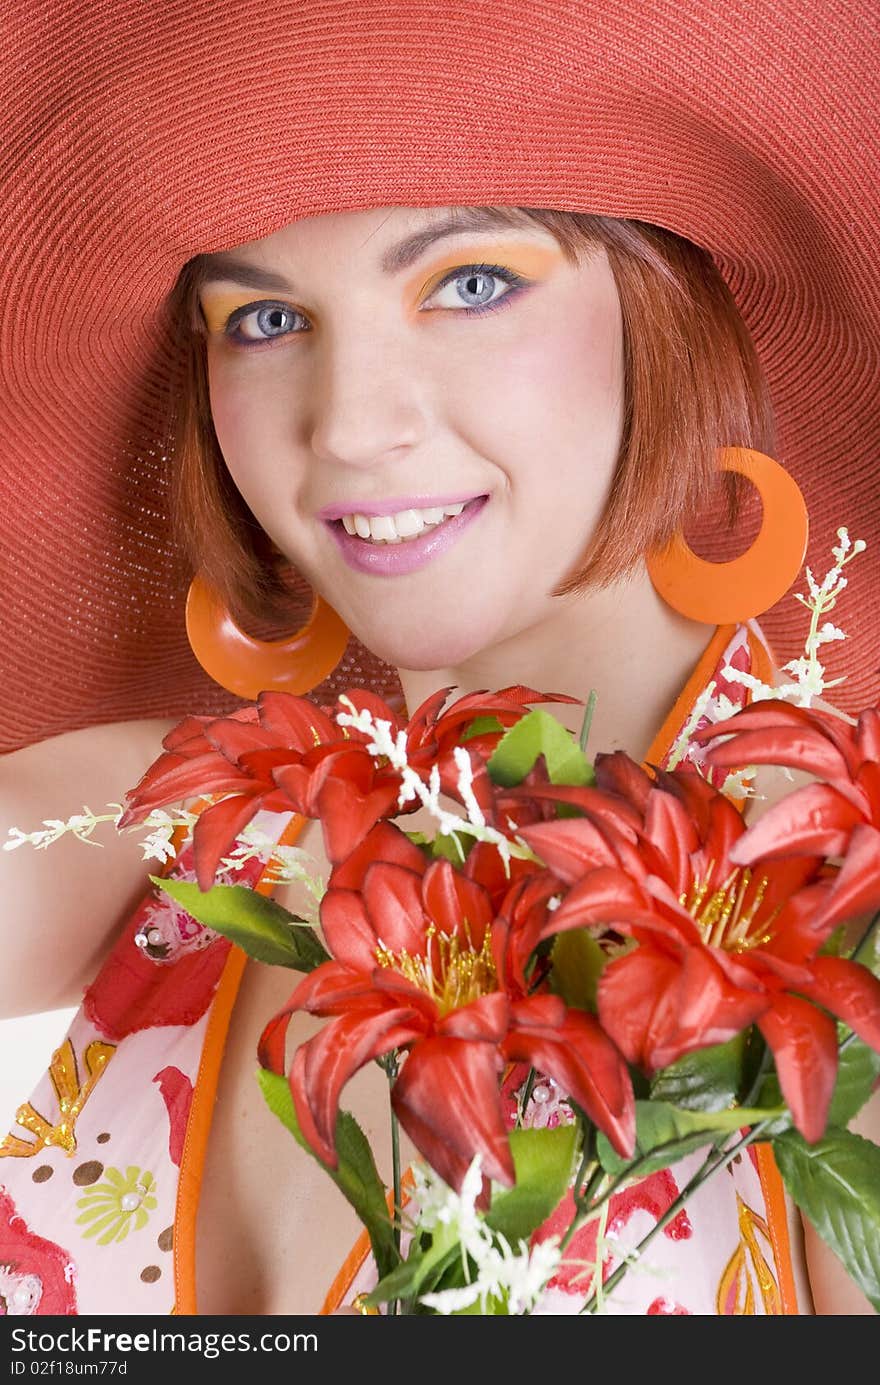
[[692, 385]]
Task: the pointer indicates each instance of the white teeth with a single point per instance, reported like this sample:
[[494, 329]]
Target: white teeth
[[406, 524], [382, 527]]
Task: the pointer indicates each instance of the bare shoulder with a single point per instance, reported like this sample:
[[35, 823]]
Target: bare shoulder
[[63, 904]]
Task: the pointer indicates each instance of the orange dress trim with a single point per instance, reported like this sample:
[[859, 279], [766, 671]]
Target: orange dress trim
[[198, 1126]]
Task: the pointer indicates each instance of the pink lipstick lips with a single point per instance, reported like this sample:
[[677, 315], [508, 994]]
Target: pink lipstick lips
[[398, 559]]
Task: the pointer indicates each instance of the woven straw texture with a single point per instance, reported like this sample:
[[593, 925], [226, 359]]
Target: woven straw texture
[[136, 134]]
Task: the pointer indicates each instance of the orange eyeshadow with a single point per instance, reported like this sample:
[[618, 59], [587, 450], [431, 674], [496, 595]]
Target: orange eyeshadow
[[523, 257]]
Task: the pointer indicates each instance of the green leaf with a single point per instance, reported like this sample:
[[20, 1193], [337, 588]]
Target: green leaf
[[833, 944], [539, 733], [260, 926], [356, 1175], [665, 1134], [836, 1184], [543, 1161], [481, 726], [450, 846], [419, 1272], [578, 961], [857, 1071], [868, 950], [707, 1080]]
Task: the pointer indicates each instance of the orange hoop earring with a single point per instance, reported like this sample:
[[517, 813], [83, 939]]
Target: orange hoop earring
[[735, 591], [247, 666]]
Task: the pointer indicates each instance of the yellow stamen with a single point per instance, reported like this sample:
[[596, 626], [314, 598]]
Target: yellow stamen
[[722, 917], [451, 971]]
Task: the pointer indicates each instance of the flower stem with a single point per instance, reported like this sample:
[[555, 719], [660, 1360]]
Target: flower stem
[[587, 721], [866, 937], [525, 1096], [390, 1065]]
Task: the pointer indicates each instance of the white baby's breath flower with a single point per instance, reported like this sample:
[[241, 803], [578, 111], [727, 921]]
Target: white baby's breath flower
[[446, 1301], [808, 681], [80, 825], [737, 785], [392, 749], [158, 845], [513, 1277], [440, 1205]]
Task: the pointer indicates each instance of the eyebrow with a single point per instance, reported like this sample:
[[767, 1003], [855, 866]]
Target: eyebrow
[[225, 265]]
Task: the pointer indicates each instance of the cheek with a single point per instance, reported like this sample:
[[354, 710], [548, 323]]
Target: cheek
[[250, 430], [550, 393]]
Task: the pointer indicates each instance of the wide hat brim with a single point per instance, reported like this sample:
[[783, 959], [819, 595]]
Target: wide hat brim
[[136, 135]]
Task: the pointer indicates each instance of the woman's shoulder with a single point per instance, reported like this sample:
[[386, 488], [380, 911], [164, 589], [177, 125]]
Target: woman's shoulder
[[64, 900]]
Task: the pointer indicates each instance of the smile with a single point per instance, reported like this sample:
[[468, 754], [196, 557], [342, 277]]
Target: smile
[[399, 528], [402, 540]]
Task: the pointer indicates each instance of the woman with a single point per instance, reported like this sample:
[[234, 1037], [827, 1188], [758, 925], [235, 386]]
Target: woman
[[387, 338]]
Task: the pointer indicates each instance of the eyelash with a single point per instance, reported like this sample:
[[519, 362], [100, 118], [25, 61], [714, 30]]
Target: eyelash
[[516, 283]]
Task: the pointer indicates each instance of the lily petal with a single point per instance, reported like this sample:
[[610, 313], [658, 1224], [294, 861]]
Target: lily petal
[[851, 992], [457, 905], [856, 889], [392, 897], [324, 1064], [448, 1100], [569, 846], [216, 831], [804, 1045], [348, 931], [295, 721], [814, 820], [588, 1067]]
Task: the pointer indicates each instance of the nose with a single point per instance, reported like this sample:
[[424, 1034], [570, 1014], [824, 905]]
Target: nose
[[366, 404]]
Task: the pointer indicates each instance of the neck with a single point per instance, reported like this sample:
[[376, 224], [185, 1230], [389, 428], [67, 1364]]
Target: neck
[[622, 642]]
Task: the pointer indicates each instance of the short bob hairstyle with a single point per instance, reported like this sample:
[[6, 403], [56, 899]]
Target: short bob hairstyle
[[692, 385]]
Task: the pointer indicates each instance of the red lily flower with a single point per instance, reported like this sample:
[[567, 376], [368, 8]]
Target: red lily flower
[[720, 946], [286, 754], [235, 757], [839, 815], [423, 963]]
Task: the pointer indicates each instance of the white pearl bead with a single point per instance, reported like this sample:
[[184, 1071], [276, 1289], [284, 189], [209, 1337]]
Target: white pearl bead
[[130, 1202]]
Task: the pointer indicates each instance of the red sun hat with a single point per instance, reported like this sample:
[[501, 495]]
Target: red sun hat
[[138, 134]]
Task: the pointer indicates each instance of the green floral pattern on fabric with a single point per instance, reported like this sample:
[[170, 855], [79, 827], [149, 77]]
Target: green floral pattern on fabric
[[118, 1205]]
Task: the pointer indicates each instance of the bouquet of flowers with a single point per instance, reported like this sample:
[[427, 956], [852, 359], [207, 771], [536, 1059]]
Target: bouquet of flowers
[[590, 970]]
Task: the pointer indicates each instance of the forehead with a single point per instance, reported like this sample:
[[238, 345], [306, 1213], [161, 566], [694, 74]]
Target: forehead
[[390, 238]]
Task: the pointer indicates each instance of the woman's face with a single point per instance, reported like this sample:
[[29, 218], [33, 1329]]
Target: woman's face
[[424, 412]]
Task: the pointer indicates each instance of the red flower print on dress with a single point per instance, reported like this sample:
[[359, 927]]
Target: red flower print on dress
[[134, 990], [36, 1275], [177, 1093]]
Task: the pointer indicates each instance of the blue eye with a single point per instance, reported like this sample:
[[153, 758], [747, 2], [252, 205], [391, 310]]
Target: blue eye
[[475, 288], [263, 322]]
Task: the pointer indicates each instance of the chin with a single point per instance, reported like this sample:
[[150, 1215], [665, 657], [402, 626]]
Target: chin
[[425, 648]]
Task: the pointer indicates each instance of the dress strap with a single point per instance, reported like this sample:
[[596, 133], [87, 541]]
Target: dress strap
[[198, 1126]]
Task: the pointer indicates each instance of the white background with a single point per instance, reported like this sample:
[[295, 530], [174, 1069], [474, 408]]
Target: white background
[[26, 1045]]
